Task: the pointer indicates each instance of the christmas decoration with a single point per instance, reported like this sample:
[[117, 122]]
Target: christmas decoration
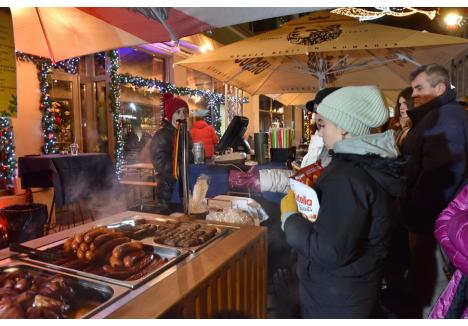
[[163, 87], [62, 123], [7, 154], [114, 97], [454, 21], [11, 110], [214, 116], [213, 99], [364, 14], [51, 122], [44, 67], [307, 130]]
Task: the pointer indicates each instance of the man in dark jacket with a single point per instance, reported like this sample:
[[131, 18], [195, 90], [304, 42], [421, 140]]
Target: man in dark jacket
[[162, 150], [436, 148]]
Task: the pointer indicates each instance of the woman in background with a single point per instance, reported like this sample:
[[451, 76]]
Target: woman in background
[[401, 122]]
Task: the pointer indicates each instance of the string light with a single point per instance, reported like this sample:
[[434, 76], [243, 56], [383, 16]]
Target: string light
[[164, 87], [213, 99], [453, 20], [114, 97], [7, 149], [363, 14], [214, 116], [44, 67]]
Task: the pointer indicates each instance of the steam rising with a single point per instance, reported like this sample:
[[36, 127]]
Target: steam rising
[[98, 192]]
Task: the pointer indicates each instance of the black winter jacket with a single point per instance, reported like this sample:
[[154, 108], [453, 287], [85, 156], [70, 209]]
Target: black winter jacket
[[162, 157], [340, 256], [436, 147]]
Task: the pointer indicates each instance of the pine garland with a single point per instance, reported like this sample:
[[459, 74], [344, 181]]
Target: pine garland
[[164, 87], [114, 97], [44, 67], [7, 150]]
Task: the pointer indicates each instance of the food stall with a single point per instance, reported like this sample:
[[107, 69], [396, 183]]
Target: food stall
[[222, 273]]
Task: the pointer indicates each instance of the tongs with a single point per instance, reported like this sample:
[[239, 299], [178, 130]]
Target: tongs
[[35, 253]]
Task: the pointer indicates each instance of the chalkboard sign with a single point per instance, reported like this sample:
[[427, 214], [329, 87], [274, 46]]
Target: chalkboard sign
[[7, 65]]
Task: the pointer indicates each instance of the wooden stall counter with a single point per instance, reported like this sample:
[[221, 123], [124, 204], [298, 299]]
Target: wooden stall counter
[[227, 278]]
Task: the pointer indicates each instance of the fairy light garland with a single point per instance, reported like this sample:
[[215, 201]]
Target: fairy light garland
[[164, 87], [114, 97], [7, 150], [118, 80], [213, 99], [364, 14], [214, 116], [44, 74], [45, 68]]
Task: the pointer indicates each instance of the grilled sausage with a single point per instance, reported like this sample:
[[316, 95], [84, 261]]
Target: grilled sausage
[[102, 252], [126, 248], [115, 262], [75, 245], [122, 274], [79, 237], [84, 246], [80, 254], [155, 264], [88, 254], [133, 258], [67, 245], [98, 241], [94, 233]]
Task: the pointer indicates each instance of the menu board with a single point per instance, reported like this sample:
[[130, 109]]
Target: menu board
[[7, 65]]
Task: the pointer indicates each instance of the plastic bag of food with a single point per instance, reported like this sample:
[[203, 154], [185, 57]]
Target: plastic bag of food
[[231, 215], [306, 197], [197, 200]]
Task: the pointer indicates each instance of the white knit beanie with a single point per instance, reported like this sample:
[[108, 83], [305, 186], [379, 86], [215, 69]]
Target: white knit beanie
[[355, 109]]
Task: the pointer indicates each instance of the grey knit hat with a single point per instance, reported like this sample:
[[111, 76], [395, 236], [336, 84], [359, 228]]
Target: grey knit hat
[[355, 109]]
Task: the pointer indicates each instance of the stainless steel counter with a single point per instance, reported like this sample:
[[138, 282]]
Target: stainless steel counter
[[178, 281]]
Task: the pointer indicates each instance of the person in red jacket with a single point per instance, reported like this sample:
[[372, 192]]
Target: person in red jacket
[[205, 133]]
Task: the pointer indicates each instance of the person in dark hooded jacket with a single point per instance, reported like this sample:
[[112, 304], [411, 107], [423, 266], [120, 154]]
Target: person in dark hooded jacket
[[340, 256], [162, 150]]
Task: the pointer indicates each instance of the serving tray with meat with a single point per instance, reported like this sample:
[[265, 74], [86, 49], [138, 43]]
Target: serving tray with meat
[[28, 291], [192, 236], [109, 255], [189, 235]]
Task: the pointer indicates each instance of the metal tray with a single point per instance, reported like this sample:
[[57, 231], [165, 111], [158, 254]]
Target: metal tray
[[221, 230], [172, 254], [108, 293]]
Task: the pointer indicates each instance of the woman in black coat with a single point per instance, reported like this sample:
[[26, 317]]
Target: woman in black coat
[[340, 255]]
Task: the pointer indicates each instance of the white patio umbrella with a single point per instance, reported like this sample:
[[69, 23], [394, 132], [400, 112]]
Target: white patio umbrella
[[323, 49], [302, 98]]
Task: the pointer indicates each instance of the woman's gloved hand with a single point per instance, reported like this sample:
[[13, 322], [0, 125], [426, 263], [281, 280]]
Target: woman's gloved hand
[[288, 206], [249, 179]]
